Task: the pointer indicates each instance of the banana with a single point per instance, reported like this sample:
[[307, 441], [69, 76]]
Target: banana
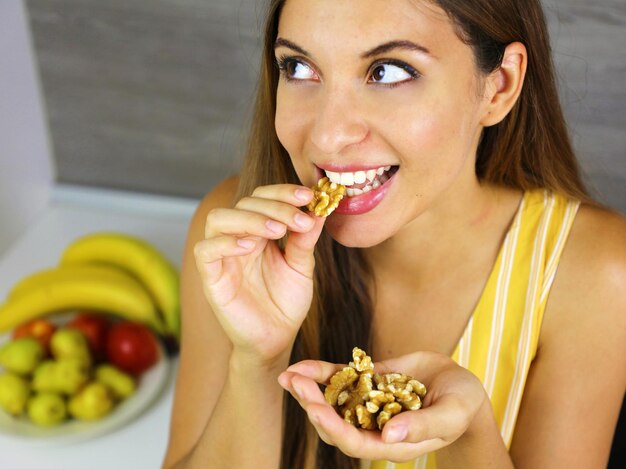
[[66, 273], [139, 258], [98, 288]]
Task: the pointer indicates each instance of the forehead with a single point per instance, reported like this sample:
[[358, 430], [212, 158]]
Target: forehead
[[365, 23]]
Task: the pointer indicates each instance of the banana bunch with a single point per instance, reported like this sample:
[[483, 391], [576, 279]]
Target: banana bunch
[[110, 272]]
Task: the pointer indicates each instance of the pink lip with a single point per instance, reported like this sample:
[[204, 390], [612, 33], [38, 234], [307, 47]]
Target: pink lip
[[364, 203]]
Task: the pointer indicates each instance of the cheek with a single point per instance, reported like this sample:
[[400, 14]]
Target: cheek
[[290, 120], [282, 123], [434, 136], [423, 139], [290, 123]]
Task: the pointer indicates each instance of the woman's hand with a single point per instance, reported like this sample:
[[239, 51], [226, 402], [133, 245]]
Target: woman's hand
[[260, 294], [452, 402]]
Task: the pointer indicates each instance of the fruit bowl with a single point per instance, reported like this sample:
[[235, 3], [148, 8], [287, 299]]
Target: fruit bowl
[[149, 388]]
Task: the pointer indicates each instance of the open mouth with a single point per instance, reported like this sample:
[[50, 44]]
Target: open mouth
[[361, 182], [366, 188]]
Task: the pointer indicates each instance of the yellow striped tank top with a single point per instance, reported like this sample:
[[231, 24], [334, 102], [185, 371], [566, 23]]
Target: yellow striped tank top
[[500, 339]]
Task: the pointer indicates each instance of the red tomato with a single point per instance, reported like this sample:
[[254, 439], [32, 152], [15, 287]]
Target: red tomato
[[39, 329], [96, 328], [132, 347]]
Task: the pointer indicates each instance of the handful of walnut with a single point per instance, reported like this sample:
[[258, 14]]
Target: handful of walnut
[[368, 400], [326, 197]]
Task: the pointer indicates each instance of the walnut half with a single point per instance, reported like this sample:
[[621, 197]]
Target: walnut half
[[368, 400], [326, 197]]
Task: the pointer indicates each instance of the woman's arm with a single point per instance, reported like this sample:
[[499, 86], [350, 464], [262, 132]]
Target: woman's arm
[[577, 381], [245, 428], [203, 361], [205, 367], [243, 301]]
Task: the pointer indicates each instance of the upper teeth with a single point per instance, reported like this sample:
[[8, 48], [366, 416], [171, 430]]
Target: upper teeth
[[357, 177]]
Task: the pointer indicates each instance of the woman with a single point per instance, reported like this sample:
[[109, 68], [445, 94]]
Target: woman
[[443, 120]]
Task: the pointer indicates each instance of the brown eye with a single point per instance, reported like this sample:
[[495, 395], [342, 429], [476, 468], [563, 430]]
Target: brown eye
[[378, 73], [291, 67], [295, 69], [392, 73]]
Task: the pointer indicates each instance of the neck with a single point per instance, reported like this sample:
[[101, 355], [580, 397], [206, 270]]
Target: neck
[[455, 230]]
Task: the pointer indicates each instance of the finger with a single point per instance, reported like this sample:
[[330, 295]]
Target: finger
[[328, 423], [322, 417], [287, 214], [284, 379], [210, 253], [305, 390], [300, 395], [357, 443], [242, 223], [307, 393], [442, 422], [290, 193], [316, 370], [300, 247], [220, 247], [278, 202]]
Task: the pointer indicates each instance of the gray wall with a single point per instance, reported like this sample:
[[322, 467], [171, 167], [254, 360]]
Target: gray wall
[[146, 95], [153, 95]]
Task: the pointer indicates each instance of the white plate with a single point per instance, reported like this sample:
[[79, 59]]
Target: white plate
[[150, 385]]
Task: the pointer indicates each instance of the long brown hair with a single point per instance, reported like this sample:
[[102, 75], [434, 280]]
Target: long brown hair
[[530, 148]]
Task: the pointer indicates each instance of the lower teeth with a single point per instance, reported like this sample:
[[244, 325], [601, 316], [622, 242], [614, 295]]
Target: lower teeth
[[375, 184]]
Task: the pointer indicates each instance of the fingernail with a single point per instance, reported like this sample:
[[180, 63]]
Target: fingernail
[[303, 194], [302, 220], [282, 380], [246, 243], [396, 434], [274, 226]]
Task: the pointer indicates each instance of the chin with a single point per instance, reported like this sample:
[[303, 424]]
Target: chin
[[353, 237]]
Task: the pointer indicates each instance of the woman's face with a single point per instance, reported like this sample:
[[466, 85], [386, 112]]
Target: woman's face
[[371, 84]]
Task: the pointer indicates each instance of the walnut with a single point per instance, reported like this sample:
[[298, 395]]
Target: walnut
[[400, 382], [365, 418], [326, 197], [406, 390], [338, 383], [361, 362], [388, 411], [368, 400], [378, 399], [349, 410]]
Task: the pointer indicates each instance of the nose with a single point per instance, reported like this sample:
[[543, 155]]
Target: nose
[[338, 123]]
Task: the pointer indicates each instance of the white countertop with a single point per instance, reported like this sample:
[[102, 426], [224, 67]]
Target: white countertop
[[71, 213]]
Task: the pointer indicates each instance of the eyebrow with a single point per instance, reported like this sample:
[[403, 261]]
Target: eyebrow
[[280, 42], [378, 50], [392, 45]]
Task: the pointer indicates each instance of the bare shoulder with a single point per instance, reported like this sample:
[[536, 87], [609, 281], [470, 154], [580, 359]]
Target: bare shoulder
[[599, 234], [221, 195], [589, 291], [594, 258]]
